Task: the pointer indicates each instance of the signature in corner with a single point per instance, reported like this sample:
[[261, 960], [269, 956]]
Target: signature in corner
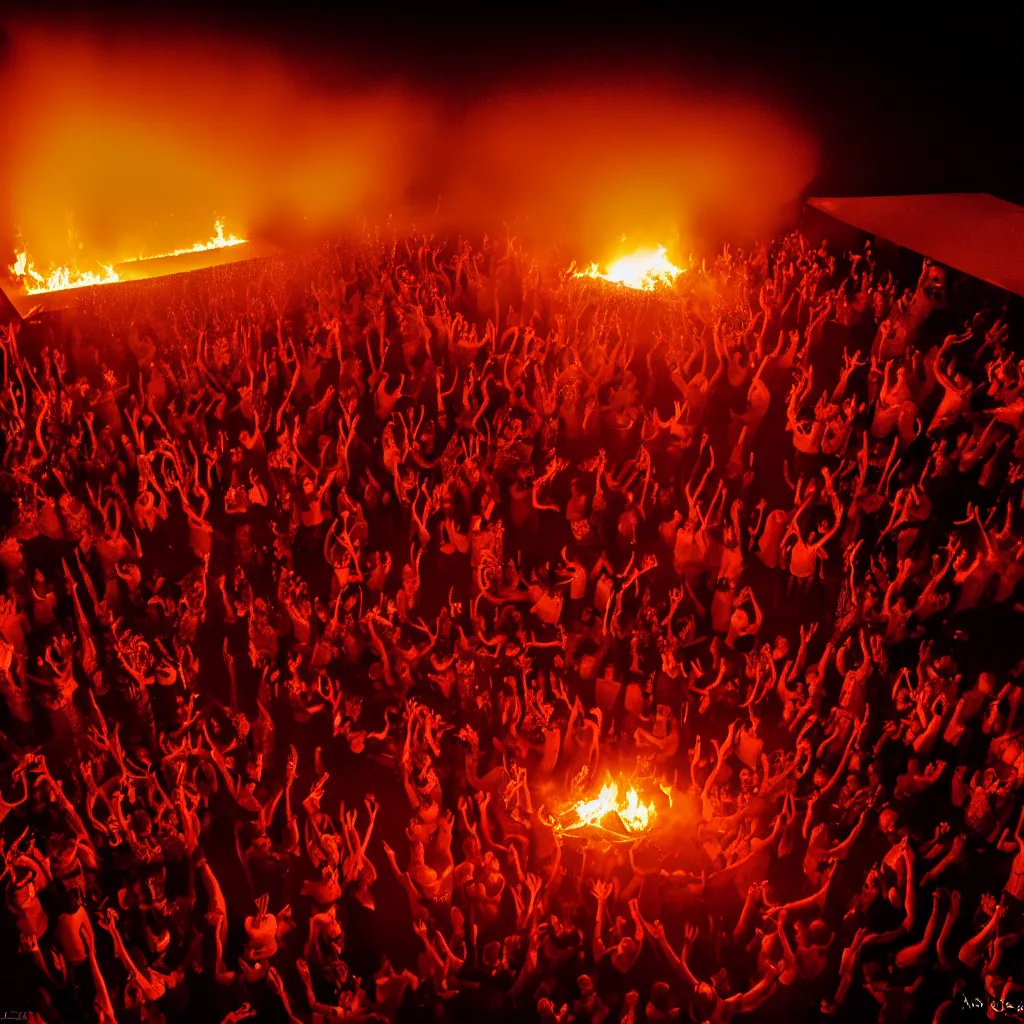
[[996, 1006]]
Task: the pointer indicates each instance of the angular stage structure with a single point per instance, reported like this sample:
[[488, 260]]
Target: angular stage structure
[[974, 234], [133, 276]]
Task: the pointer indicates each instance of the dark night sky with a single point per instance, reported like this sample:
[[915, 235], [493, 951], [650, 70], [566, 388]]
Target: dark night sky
[[899, 104]]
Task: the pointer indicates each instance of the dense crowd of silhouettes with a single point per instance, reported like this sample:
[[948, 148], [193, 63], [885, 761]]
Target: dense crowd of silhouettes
[[324, 604]]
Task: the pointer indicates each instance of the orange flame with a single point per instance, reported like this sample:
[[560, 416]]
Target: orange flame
[[644, 270], [24, 272], [635, 816], [218, 241]]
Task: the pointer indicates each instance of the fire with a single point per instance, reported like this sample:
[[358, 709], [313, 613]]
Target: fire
[[24, 272], [644, 269], [635, 816], [218, 241]]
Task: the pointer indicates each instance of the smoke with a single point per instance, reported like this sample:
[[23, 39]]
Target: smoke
[[124, 146], [597, 163], [121, 147]]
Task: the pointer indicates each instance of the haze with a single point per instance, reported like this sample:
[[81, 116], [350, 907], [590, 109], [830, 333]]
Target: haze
[[135, 145]]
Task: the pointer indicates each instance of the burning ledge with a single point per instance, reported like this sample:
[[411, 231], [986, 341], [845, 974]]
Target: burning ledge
[[62, 288], [981, 236]]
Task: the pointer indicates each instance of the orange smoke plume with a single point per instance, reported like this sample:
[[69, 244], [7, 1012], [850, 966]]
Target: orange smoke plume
[[119, 148], [594, 164]]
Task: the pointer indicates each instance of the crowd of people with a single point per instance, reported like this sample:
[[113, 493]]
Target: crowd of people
[[325, 604]]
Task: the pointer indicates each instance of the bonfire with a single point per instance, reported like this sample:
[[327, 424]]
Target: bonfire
[[645, 270], [608, 817]]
